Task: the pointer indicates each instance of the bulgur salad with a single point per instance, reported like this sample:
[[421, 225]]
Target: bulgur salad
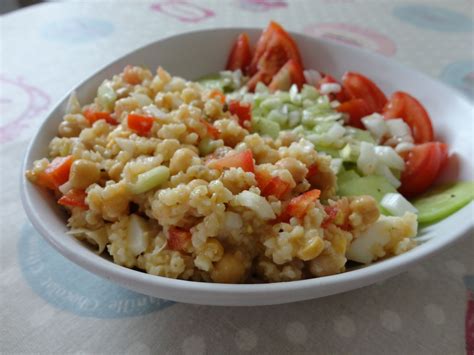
[[264, 172]]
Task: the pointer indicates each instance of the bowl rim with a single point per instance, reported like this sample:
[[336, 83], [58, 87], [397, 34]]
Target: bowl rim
[[139, 280]]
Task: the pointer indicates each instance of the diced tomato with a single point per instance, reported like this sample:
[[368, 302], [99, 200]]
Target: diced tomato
[[242, 110], [217, 94], [274, 48], [290, 73], [356, 109], [331, 214], [312, 171], [93, 116], [406, 107], [57, 173], [178, 239], [242, 160], [341, 96], [211, 130], [276, 187], [299, 205], [140, 124], [74, 198], [360, 87], [131, 75], [422, 166], [240, 55]]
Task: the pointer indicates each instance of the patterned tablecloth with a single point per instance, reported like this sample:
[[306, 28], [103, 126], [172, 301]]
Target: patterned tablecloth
[[50, 305]]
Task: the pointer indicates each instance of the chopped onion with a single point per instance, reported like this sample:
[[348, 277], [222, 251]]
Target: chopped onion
[[384, 171], [256, 203], [312, 77], [367, 161], [376, 125], [397, 205], [330, 88], [389, 157]]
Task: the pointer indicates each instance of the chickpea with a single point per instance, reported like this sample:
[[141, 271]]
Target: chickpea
[[297, 169], [83, 173], [229, 269], [181, 160], [67, 129]]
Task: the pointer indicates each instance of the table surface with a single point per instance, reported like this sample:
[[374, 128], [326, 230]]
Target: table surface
[[49, 305]]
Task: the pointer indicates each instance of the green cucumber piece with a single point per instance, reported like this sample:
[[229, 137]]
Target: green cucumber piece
[[267, 127], [443, 201]]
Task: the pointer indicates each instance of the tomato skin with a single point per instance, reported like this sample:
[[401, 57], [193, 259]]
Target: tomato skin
[[356, 109], [140, 124], [178, 239], [422, 166], [242, 160], [242, 110], [240, 55], [299, 205], [74, 198], [361, 87], [290, 73], [406, 107]]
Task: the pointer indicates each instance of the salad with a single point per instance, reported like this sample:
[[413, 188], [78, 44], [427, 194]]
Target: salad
[[264, 172]]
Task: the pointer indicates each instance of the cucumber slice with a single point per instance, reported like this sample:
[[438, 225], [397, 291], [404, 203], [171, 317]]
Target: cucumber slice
[[373, 185], [346, 176], [443, 201]]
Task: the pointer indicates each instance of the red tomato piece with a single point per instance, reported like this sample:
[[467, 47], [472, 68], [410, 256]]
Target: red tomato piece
[[290, 73], [211, 130], [356, 109], [299, 205], [140, 124], [422, 166], [242, 110], [74, 198], [240, 55], [360, 87], [406, 107], [341, 96], [242, 160], [57, 173], [178, 239], [93, 116]]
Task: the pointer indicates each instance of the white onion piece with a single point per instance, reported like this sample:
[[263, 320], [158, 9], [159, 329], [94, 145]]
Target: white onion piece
[[388, 156], [397, 205], [367, 161]]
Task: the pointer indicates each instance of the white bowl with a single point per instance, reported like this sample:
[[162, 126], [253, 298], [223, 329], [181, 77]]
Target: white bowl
[[194, 54]]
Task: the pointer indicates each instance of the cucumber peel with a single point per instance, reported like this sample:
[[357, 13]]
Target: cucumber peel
[[443, 201]]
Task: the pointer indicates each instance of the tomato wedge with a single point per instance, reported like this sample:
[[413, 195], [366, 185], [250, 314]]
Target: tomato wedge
[[341, 96], [74, 198], [274, 48], [93, 116], [178, 238], [242, 110], [242, 160], [299, 205], [406, 107], [240, 55], [422, 166], [140, 124], [360, 87], [290, 73], [356, 109], [57, 173]]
